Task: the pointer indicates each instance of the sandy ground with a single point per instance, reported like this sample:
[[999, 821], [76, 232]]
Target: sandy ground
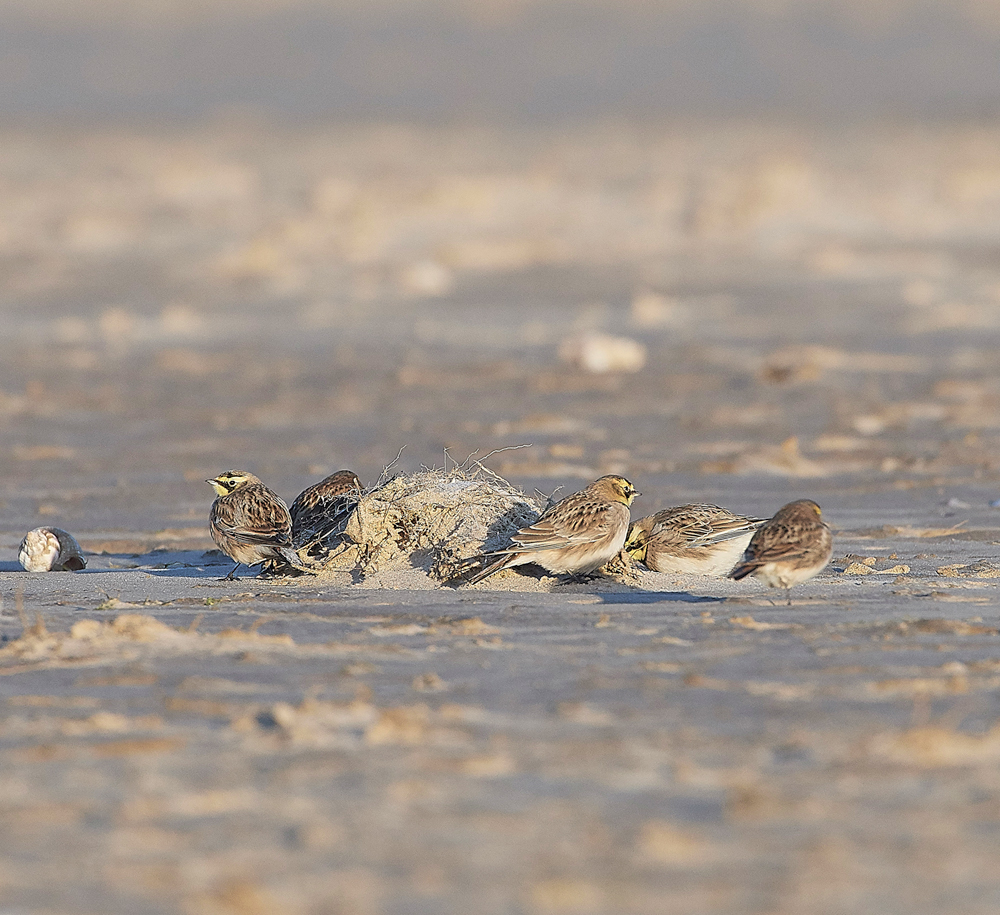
[[818, 315]]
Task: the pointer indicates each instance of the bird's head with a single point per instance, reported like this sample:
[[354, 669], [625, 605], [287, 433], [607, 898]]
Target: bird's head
[[230, 481]]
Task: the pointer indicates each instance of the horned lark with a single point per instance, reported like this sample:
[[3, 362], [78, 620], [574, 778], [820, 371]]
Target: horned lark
[[50, 549], [790, 548], [578, 534], [250, 523], [698, 539], [322, 508]]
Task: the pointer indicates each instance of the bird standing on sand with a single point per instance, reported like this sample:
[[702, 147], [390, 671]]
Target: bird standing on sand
[[576, 535], [790, 548], [250, 523], [695, 539]]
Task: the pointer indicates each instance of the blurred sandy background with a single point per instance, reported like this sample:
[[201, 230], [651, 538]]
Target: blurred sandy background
[[294, 237], [301, 236]]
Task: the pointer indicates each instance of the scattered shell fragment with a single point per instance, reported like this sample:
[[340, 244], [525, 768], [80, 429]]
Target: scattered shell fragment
[[858, 568], [982, 569], [784, 459], [50, 549], [427, 278], [600, 353], [652, 309], [867, 566]]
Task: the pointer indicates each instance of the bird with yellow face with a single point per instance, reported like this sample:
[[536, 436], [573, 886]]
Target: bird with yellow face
[[576, 535], [249, 522], [793, 546]]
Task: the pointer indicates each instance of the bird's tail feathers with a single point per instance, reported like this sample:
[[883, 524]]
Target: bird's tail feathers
[[489, 567], [743, 570]]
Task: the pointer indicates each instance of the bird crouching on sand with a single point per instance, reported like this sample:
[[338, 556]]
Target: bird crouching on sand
[[695, 539], [50, 549], [788, 549], [250, 523], [576, 535], [322, 509]]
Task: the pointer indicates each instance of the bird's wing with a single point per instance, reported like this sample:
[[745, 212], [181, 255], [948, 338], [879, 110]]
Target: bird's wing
[[266, 523], [778, 542], [699, 524], [726, 529], [576, 524]]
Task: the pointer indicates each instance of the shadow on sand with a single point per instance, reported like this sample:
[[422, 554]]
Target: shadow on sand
[[658, 597]]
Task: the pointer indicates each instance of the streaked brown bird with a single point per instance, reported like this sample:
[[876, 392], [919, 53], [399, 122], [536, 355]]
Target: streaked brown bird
[[322, 508], [788, 549], [694, 539], [50, 549], [576, 535], [250, 523]]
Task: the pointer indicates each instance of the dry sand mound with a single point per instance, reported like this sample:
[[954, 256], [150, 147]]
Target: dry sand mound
[[431, 521]]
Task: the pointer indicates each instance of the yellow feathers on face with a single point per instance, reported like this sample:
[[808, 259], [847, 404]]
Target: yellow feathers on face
[[232, 480]]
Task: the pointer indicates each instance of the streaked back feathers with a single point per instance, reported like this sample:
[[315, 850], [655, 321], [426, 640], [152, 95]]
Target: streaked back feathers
[[321, 509]]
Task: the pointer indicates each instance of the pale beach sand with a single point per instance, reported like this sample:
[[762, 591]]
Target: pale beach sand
[[812, 313]]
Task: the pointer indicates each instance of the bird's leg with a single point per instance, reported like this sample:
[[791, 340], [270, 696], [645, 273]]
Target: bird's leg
[[232, 572], [788, 594]]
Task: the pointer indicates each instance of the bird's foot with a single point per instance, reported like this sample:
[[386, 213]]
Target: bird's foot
[[581, 578], [232, 573]]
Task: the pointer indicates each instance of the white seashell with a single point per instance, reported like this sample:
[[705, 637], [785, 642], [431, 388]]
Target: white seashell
[[650, 309], [600, 353], [50, 549], [428, 278]]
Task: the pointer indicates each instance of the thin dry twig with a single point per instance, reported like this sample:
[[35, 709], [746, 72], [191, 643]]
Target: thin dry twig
[[384, 476]]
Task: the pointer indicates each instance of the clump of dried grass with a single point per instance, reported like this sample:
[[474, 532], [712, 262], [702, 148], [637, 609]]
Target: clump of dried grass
[[433, 520]]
